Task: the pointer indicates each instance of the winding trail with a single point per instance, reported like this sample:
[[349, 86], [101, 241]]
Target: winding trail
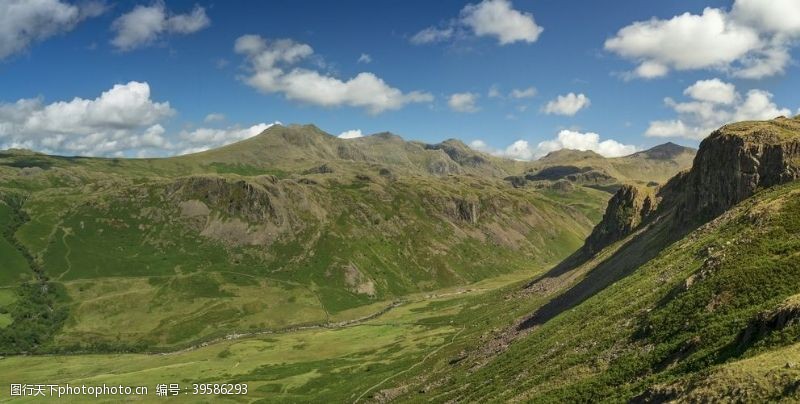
[[341, 324], [67, 254], [434, 352]]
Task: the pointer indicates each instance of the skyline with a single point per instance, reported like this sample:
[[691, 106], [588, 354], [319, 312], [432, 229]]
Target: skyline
[[143, 79]]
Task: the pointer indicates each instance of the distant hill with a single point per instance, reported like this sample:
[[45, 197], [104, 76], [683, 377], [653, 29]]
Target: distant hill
[[650, 167], [293, 226]]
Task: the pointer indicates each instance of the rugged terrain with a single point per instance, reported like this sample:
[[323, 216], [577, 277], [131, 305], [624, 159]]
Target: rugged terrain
[[294, 257], [687, 293], [293, 227]]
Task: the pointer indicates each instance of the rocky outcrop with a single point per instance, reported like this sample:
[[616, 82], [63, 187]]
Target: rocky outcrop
[[322, 169], [734, 162], [250, 201], [626, 210], [459, 152], [785, 315]]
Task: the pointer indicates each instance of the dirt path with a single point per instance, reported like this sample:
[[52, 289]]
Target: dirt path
[[425, 358], [341, 324], [67, 254]]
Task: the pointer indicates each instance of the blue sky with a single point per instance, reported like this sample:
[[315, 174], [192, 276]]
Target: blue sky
[[738, 62]]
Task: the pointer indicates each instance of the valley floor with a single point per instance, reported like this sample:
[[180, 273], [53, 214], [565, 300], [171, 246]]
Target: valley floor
[[346, 362]]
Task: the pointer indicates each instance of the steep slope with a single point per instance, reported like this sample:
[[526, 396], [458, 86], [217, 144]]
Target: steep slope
[[707, 277]]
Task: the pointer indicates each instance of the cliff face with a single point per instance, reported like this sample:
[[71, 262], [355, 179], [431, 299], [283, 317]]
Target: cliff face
[[628, 208], [737, 160], [732, 164]]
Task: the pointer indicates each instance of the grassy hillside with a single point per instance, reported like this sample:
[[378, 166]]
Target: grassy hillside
[[292, 227], [668, 310]]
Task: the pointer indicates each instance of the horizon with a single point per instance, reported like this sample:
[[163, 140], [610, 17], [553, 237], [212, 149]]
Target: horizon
[[511, 78], [402, 137]]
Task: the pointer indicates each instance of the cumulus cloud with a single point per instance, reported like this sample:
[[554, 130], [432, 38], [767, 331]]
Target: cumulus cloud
[[144, 25], [351, 134], [498, 19], [714, 91], [492, 18], [25, 22], [750, 41], [272, 69], [566, 139], [214, 117], [568, 105], [778, 16], [711, 104], [463, 102], [120, 119]]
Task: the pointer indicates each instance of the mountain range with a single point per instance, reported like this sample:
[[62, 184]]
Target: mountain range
[[386, 270]]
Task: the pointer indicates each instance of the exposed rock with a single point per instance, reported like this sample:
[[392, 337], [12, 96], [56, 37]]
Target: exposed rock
[[731, 165], [459, 152], [556, 173], [457, 208], [628, 208], [517, 181], [562, 186], [323, 169], [785, 315], [591, 177], [240, 198], [444, 167], [737, 160], [194, 208]]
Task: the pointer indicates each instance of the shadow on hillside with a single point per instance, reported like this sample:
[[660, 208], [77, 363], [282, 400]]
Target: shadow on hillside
[[637, 251]]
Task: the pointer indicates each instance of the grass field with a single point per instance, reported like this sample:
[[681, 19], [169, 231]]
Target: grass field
[[336, 364]]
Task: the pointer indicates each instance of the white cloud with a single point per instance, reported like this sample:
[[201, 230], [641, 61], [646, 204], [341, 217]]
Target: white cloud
[[494, 92], [202, 139], [751, 41], [463, 102], [494, 18], [497, 18], [123, 121], [143, 25], [529, 92], [649, 70], [566, 139], [214, 117], [25, 22], [778, 16], [351, 134], [714, 90], [568, 105], [714, 103], [365, 58], [432, 35], [764, 63], [120, 119], [271, 71], [758, 106]]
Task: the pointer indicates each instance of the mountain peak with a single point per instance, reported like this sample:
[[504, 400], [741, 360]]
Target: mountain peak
[[570, 154], [665, 151]]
